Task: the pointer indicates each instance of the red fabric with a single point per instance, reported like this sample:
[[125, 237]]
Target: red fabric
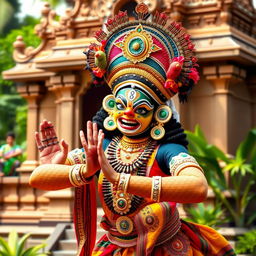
[[156, 171], [85, 218], [194, 235]]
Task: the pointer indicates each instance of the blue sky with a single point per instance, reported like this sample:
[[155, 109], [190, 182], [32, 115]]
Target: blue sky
[[33, 7]]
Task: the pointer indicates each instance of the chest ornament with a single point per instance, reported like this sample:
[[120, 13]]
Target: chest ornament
[[116, 197]]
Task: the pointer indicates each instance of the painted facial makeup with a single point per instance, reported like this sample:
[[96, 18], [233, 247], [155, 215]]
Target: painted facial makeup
[[134, 111]]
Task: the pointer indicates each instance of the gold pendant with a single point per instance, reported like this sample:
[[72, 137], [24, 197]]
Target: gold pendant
[[124, 225], [122, 202]]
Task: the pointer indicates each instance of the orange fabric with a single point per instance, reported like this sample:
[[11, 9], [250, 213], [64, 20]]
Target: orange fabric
[[217, 245]]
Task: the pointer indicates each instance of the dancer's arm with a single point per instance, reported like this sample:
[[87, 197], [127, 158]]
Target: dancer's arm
[[189, 186], [57, 176]]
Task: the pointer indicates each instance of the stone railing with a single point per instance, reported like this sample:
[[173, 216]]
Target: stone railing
[[20, 203]]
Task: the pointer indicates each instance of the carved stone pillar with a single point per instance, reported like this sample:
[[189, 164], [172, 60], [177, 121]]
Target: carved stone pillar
[[223, 79], [65, 86], [32, 93], [60, 207]]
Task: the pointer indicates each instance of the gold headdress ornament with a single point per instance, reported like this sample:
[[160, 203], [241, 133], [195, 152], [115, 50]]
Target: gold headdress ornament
[[155, 54]]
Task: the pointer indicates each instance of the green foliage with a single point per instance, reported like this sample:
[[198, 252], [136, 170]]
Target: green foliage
[[12, 117], [15, 246], [6, 50], [215, 163], [206, 215], [13, 108], [247, 243]]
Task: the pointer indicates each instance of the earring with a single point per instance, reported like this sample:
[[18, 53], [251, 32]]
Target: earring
[[109, 105], [162, 115]]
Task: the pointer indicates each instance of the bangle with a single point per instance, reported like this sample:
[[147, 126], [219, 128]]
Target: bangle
[[180, 161], [123, 182], [181, 167], [75, 177], [156, 188]]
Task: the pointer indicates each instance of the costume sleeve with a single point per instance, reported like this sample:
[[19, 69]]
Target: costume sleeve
[[165, 154]]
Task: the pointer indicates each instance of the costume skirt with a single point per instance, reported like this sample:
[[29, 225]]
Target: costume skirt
[[192, 239]]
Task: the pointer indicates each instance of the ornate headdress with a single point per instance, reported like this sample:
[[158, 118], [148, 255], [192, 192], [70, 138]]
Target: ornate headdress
[[150, 51]]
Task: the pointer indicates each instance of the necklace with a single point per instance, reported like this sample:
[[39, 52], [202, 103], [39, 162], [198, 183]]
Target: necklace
[[129, 150], [136, 166], [131, 165]]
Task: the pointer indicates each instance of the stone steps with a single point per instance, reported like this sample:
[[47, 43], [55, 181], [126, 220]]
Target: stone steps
[[68, 246]]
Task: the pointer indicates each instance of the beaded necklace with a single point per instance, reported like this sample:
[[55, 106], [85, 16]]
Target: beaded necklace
[[138, 166]]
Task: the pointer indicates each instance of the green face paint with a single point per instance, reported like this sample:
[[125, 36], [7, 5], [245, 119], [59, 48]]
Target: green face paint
[[136, 111]]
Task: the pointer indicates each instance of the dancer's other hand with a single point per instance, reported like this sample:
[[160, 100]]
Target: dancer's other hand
[[110, 174], [90, 148], [50, 150]]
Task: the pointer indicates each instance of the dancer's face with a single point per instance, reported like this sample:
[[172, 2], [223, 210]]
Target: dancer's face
[[134, 111]]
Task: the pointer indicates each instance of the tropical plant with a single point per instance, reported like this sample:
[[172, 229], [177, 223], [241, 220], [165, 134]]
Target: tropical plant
[[247, 243], [209, 215], [240, 167], [14, 246]]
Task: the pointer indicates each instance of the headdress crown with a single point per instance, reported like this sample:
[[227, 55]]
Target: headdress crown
[[152, 52]]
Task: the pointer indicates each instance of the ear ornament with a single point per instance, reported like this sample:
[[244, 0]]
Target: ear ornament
[[162, 115], [109, 105]]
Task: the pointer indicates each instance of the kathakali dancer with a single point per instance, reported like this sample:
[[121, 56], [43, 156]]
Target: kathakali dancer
[[139, 153]]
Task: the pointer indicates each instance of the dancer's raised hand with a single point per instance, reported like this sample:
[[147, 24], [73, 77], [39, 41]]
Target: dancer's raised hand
[[50, 150], [110, 174], [90, 148]]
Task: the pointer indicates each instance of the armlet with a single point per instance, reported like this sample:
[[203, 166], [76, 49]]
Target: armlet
[[181, 161]]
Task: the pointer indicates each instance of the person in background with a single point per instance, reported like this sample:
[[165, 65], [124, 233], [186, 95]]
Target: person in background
[[9, 153]]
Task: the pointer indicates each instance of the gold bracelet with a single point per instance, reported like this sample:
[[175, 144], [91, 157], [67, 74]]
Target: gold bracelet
[[181, 167], [75, 177], [123, 182], [179, 161], [156, 188]]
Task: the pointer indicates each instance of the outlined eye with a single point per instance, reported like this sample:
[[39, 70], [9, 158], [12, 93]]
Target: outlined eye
[[141, 111], [120, 106]]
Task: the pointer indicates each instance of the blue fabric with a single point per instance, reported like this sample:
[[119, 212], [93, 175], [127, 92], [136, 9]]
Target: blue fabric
[[165, 154], [106, 143]]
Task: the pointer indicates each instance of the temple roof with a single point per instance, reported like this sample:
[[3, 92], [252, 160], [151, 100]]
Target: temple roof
[[221, 29]]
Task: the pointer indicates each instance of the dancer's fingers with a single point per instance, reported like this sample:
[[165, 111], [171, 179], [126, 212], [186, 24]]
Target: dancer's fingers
[[89, 134], [95, 134], [83, 141]]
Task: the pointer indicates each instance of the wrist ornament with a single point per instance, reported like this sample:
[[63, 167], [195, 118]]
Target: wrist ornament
[[123, 182], [122, 199], [156, 188], [76, 176]]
